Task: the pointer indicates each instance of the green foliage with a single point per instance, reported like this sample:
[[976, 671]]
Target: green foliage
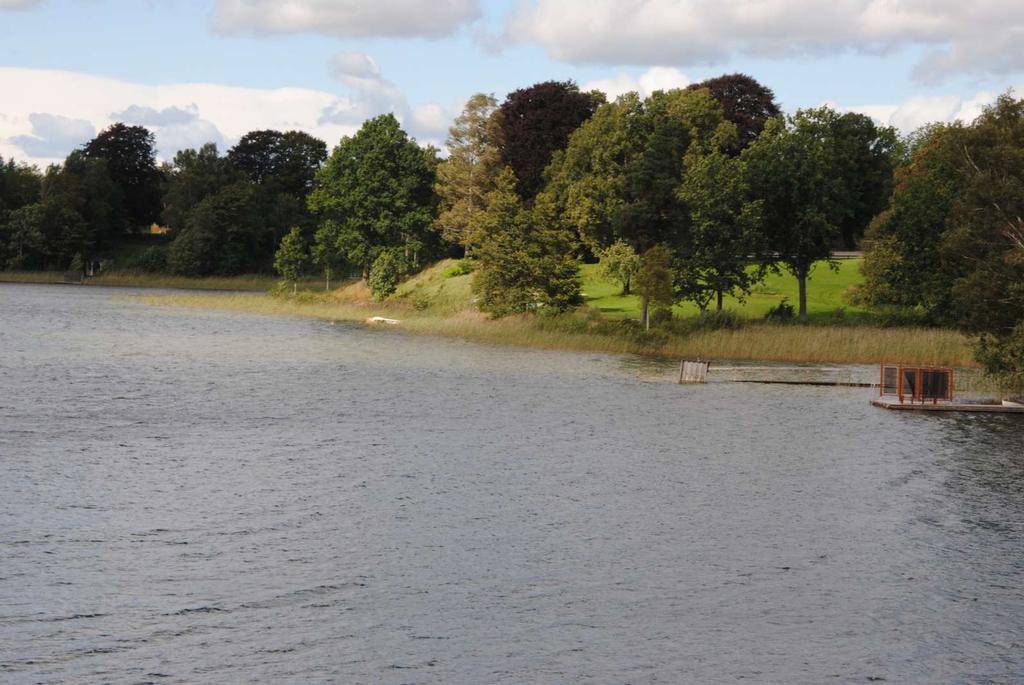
[[131, 161], [377, 191], [388, 270], [806, 170], [783, 312], [466, 177], [292, 258], [193, 176], [151, 260], [1002, 356], [225, 235], [725, 230], [654, 280], [620, 263], [524, 261], [460, 268]]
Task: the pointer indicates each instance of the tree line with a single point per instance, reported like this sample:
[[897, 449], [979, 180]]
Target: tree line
[[689, 194]]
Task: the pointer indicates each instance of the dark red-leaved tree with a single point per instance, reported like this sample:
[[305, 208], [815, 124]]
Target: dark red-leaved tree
[[535, 123], [746, 102]]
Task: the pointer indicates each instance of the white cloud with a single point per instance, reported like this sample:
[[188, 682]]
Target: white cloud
[[655, 78], [373, 95], [226, 110], [53, 135], [175, 128], [354, 64], [348, 18], [981, 35], [40, 103], [918, 111]]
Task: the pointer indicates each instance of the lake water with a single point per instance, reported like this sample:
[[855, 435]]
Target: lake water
[[200, 497]]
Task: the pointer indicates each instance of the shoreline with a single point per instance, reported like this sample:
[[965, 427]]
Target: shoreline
[[579, 332]]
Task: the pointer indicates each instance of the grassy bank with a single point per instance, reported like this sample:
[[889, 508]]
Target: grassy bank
[[431, 304], [826, 295]]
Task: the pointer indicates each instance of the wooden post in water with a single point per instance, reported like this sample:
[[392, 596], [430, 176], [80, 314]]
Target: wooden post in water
[[693, 372]]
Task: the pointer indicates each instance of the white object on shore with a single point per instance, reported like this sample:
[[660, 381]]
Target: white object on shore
[[1012, 403], [381, 319]]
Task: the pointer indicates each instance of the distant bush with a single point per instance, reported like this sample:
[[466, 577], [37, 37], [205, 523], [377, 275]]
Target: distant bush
[[460, 268], [707, 321], [387, 272], [151, 260], [783, 312]]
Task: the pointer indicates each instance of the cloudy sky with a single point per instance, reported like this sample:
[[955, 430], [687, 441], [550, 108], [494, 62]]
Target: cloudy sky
[[210, 70]]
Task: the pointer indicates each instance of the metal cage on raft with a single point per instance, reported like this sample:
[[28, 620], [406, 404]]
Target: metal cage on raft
[[917, 383]]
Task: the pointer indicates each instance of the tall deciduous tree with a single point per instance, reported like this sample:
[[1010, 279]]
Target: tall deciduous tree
[[225, 234], [537, 121], [524, 258], [131, 161], [725, 235], [283, 165], [193, 176], [791, 171], [377, 191], [745, 102], [468, 174], [620, 262], [292, 258], [654, 282]]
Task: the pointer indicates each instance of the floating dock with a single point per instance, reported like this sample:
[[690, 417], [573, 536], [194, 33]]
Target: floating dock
[[890, 403]]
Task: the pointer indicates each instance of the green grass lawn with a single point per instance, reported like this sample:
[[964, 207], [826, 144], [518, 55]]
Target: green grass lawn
[[825, 290]]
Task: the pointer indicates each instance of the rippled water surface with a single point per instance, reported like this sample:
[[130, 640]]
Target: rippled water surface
[[200, 497]]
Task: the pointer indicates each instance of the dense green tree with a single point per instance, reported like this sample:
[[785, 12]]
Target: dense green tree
[[725, 230], [866, 155], [131, 162], [534, 123], [284, 166], [225, 234], [388, 270], [193, 176], [20, 186], [619, 262], [524, 259], [377, 191], [292, 258], [617, 178], [745, 102], [466, 177], [800, 167], [326, 254], [654, 282], [903, 263]]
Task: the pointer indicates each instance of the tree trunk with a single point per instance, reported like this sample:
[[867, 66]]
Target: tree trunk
[[645, 315], [625, 287], [801, 278], [720, 298], [328, 284], [295, 287]]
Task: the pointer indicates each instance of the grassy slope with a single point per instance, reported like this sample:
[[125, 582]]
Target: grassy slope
[[431, 304], [825, 290]]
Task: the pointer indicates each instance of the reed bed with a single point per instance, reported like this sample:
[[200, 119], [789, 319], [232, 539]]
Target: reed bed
[[790, 343]]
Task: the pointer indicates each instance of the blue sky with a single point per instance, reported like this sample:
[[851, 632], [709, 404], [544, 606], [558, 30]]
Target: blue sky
[[71, 67]]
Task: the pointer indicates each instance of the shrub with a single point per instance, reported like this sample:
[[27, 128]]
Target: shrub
[[387, 272], [783, 312], [460, 268]]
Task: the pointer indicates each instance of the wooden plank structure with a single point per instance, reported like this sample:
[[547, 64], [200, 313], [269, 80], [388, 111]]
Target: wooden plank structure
[[693, 372]]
